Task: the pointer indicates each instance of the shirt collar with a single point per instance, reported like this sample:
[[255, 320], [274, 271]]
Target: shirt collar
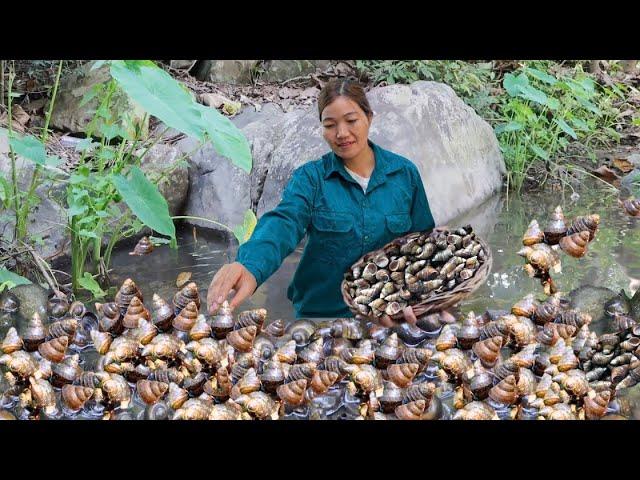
[[385, 164]]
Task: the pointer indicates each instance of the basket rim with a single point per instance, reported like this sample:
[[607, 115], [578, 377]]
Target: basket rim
[[437, 302]]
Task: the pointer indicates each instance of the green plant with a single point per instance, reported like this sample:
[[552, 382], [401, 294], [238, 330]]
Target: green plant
[[543, 112], [109, 170]]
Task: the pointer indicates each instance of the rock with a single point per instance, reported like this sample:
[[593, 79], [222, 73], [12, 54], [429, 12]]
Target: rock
[[214, 100], [634, 159], [590, 299], [33, 298], [182, 64], [69, 115], [231, 71], [281, 70], [175, 186], [455, 150]]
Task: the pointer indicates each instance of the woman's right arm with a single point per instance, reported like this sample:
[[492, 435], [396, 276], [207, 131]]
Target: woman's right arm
[[274, 238]]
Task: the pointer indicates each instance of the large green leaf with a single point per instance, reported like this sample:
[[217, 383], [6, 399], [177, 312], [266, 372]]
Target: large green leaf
[[533, 94], [539, 151], [542, 76], [243, 232], [159, 95], [146, 202], [33, 149], [12, 279], [513, 84], [566, 128], [88, 282], [509, 127], [226, 138]]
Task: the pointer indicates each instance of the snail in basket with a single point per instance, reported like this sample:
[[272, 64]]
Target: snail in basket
[[425, 270]]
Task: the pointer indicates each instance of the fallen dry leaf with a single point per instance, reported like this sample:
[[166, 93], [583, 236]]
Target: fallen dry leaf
[[14, 124], [623, 164], [183, 278], [288, 92], [605, 173]]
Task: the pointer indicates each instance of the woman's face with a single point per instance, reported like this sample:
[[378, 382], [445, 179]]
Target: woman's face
[[345, 127]]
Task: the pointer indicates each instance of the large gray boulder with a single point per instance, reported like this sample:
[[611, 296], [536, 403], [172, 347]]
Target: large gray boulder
[[70, 115], [245, 71], [455, 150]]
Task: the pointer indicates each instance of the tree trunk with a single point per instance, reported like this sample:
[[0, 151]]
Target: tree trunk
[[594, 66]]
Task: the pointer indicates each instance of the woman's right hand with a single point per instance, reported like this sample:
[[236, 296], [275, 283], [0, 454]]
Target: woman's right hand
[[232, 276]]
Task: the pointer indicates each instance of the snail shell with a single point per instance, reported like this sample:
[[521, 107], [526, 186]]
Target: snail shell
[[135, 311], [402, 373], [75, 396], [301, 371], [391, 397], [19, 363], [222, 323], [338, 365], [57, 306], [195, 385], [226, 411], [255, 317], [293, 393], [207, 350], [595, 406], [151, 391], [559, 411], [421, 356], [422, 391], [367, 378], [575, 383], [575, 244], [145, 332], [188, 293], [411, 410], [468, 334], [322, 380], [533, 234], [168, 375], [162, 313], [242, 339], [548, 335], [162, 346], [109, 318], [42, 393], [186, 318], [546, 312], [525, 358], [12, 341], [505, 391], [525, 307], [313, 353], [143, 247], [67, 326], [488, 351], [263, 348], [34, 333], [447, 338], [273, 376], [287, 353], [388, 352], [526, 383], [122, 349], [568, 361], [476, 411], [347, 328], [243, 362], [589, 223], [127, 291], [631, 206], [523, 332], [201, 329], [247, 384], [301, 331], [275, 328], [258, 404], [574, 318], [54, 350], [67, 371], [556, 228], [454, 362], [193, 409], [176, 396]]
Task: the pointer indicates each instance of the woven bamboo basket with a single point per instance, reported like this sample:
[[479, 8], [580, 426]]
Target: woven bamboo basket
[[437, 301]]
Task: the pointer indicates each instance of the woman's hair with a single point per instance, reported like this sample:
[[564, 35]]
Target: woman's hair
[[343, 88]]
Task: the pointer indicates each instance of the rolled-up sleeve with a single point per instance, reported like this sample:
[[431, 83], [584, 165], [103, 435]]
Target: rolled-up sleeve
[[421, 216], [281, 229]]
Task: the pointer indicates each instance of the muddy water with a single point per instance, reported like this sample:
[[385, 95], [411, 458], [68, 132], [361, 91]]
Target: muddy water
[[613, 260]]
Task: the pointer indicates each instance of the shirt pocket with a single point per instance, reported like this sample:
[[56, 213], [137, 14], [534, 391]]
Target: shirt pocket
[[333, 235], [398, 223]]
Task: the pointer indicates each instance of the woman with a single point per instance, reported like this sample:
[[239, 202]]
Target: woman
[[352, 200]]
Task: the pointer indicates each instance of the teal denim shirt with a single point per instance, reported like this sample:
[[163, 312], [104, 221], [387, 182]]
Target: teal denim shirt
[[342, 223]]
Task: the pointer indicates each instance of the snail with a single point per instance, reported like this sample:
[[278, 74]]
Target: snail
[[109, 318], [293, 393], [222, 323], [411, 410], [575, 244], [54, 349], [12, 341], [255, 317], [589, 223], [66, 372], [163, 314], [631, 206], [242, 339], [143, 247], [533, 234], [75, 396], [201, 329], [402, 373], [34, 334], [135, 311], [556, 228], [188, 293], [150, 391], [127, 292]]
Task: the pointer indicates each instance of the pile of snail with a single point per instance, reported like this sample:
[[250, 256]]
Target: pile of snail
[[177, 363], [631, 206], [541, 247], [410, 272]]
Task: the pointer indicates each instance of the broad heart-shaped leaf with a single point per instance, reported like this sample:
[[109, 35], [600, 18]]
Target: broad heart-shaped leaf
[[566, 128], [33, 149], [226, 138], [512, 84], [508, 127], [533, 94], [88, 282], [542, 76], [13, 278], [539, 151], [159, 95], [146, 202], [580, 124], [243, 232]]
